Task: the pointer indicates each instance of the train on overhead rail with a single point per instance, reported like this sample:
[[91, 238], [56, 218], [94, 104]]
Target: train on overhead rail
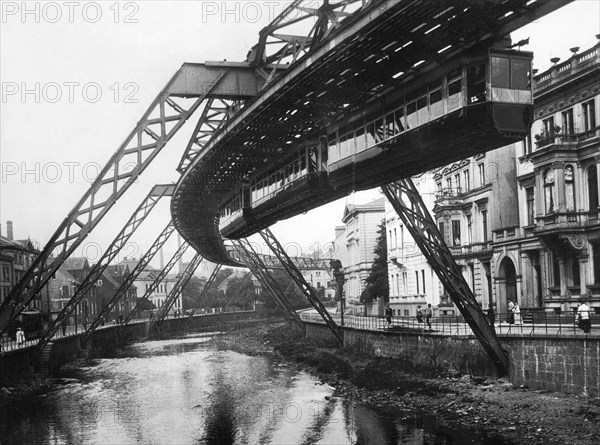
[[474, 103]]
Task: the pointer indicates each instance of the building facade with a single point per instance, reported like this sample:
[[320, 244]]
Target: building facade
[[354, 245]]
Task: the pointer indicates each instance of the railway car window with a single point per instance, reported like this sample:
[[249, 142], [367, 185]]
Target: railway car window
[[370, 134], [436, 108], [520, 74], [313, 165], [360, 140], [303, 165], [422, 112], [476, 83], [332, 150], [379, 130], [399, 116], [391, 127], [501, 72], [343, 146], [411, 115]]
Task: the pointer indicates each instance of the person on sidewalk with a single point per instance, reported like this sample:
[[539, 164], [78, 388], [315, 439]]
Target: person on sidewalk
[[20, 337], [516, 313], [428, 315], [388, 316], [583, 316]]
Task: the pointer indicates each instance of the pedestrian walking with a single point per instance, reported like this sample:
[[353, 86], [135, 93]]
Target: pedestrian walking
[[583, 316], [419, 314], [85, 323], [428, 315], [388, 315], [20, 337], [63, 326]]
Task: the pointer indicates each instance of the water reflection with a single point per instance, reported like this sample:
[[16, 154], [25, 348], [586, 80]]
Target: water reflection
[[185, 391]]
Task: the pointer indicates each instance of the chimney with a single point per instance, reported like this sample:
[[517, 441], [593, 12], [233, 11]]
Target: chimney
[[162, 259], [339, 231], [9, 230]]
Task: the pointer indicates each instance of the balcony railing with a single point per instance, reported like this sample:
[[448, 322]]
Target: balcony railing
[[565, 140], [448, 192], [571, 218]]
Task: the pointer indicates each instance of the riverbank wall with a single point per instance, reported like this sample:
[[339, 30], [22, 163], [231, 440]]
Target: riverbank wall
[[569, 365], [23, 363]]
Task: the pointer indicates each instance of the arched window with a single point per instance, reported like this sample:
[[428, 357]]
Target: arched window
[[549, 190], [569, 188], [592, 180]]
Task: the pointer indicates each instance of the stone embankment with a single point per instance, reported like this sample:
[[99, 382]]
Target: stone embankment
[[495, 407]]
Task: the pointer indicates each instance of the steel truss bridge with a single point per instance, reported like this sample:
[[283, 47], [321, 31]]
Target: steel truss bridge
[[246, 111]]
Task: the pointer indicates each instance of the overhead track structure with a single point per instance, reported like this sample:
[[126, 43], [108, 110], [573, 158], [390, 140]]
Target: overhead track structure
[[182, 280], [130, 279], [408, 204], [193, 84], [138, 217], [157, 280], [259, 269], [209, 283], [300, 281], [333, 79]]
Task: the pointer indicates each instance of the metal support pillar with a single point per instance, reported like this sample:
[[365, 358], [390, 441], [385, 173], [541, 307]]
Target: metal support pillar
[[140, 214], [340, 279], [207, 286], [129, 280], [163, 273], [406, 200], [262, 274], [182, 281], [296, 275]]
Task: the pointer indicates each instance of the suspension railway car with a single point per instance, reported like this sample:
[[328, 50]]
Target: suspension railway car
[[476, 104]]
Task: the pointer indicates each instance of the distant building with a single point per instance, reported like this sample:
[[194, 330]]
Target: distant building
[[353, 246]]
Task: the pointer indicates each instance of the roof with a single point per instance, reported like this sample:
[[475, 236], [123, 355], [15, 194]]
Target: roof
[[76, 263], [377, 205]]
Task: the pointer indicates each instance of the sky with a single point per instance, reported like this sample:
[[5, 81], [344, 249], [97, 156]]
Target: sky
[[77, 76]]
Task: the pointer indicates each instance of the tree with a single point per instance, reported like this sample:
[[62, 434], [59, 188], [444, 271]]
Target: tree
[[241, 291], [194, 287], [377, 284]]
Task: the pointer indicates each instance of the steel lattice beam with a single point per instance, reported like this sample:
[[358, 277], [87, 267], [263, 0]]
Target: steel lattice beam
[[260, 271], [296, 275], [406, 200], [129, 280], [182, 281], [157, 192], [163, 273], [165, 116], [207, 286], [272, 262]]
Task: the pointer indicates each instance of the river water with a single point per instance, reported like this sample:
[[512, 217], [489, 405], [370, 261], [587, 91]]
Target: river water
[[186, 391]]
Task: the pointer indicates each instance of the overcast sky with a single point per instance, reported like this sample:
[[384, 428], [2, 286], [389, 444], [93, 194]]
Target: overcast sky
[[98, 66]]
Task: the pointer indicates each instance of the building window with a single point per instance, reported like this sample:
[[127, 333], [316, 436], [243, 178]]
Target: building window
[[417, 280], [65, 291], [596, 259], [406, 313], [567, 122], [549, 190], [530, 206], [467, 180], [439, 186], [549, 126], [469, 229], [484, 224], [395, 238], [482, 179], [555, 270], [456, 233], [423, 277], [527, 145], [589, 115], [442, 228], [402, 237], [6, 273], [569, 188], [405, 283], [457, 181], [449, 185], [592, 180]]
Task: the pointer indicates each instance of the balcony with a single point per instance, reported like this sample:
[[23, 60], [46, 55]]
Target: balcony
[[447, 193], [471, 250], [566, 220], [553, 139], [563, 71]]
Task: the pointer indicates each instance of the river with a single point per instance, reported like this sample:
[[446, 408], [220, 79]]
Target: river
[[186, 391]]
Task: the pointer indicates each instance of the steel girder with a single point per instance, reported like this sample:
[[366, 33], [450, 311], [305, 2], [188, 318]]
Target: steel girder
[[129, 280], [272, 262], [165, 116], [207, 286], [182, 281], [163, 273], [140, 214], [408, 204], [258, 268], [296, 275]]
